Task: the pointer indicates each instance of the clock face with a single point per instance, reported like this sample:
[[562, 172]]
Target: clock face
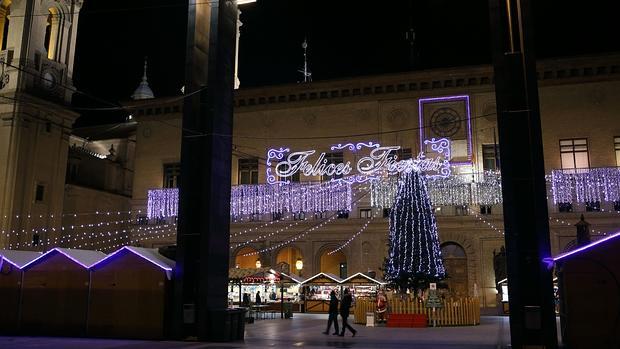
[[445, 122]]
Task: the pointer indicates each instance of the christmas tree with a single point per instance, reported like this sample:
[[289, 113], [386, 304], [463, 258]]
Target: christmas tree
[[414, 257]]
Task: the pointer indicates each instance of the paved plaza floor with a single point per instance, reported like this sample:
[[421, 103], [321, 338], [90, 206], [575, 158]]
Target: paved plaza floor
[[305, 331]]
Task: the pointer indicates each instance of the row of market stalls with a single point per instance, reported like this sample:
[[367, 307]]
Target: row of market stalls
[[73, 292], [304, 295]]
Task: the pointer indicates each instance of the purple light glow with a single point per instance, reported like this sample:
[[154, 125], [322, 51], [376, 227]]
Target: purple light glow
[[57, 249], [137, 253], [423, 101], [3, 258], [580, 249]]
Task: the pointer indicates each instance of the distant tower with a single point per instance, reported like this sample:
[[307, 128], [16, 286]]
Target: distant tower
[[306, 71], [144, 90], [36, 67]]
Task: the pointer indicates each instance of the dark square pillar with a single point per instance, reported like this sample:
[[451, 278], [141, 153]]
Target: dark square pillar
[[526, 221], [201, 275]]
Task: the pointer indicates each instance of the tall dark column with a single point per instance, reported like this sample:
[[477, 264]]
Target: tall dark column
[[201, 275], [526, 222]]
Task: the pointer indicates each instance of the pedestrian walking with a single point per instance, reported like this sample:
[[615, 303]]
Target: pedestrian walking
[[333, 313], [345, 305]]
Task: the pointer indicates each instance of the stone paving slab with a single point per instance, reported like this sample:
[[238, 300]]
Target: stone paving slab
[[305, 331]]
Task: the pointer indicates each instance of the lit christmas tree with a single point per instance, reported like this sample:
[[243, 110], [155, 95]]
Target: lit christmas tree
[[414, 257]]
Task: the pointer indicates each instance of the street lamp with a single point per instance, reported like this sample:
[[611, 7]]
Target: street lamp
[[299, 265], [258, 263]]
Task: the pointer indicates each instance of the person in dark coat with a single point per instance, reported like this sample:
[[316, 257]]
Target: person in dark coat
[[333, 313], [345, 305], [258, 300]]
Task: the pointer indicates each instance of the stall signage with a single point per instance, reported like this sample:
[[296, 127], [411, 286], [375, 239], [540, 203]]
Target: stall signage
[[373, 161]]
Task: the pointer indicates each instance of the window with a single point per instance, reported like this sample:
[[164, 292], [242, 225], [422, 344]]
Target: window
[[5, 12], [141, 219], [593, 206], [485, 209], [333, 158], [365, 213], [39, 194], [172, 173], [51, 33], [617, 150], [386, 212], [320, 215], [404, 154], [574, 153], [565, 207], [343, 214], [248, 171], [490, 157], [461, 210]]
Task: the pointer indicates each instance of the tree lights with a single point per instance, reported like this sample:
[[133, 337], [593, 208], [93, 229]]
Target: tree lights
[[414, 255]]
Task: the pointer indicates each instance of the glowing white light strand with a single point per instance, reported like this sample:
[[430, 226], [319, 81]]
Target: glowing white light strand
[[359, 232]]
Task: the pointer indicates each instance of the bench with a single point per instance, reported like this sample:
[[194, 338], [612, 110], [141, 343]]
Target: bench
[[407, 320]]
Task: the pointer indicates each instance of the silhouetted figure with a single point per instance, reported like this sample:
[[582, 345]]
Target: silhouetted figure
[[333, 313], [258, 300], [345, 305]]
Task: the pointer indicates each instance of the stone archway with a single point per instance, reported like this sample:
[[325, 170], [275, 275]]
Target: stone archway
[[471, 256], [455, 262], [333, 263], [245, 257], [286, 258]]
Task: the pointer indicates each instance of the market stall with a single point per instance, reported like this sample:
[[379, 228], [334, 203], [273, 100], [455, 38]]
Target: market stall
[[129, 290], [316, 290], [55, 292], [11, 274], [362, 285], [244, 283]]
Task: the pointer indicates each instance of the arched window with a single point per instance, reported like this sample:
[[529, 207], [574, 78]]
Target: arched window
[[52, 30], [5, 11]]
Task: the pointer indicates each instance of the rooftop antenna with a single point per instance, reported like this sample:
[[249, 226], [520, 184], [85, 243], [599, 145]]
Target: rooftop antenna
[[306, 73]]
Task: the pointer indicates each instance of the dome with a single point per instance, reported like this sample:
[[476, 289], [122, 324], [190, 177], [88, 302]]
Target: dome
[[143, 91]]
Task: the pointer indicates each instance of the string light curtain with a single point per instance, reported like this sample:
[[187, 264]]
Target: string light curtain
[[586, 185], [265, 199]]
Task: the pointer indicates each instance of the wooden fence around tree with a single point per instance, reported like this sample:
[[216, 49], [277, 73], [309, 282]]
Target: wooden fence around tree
[[455, 311]]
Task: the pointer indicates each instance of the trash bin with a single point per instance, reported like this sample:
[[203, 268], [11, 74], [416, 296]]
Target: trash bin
[[288, 310], [370, 319]]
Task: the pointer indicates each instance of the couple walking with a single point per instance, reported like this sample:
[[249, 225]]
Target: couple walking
[[345, 305]]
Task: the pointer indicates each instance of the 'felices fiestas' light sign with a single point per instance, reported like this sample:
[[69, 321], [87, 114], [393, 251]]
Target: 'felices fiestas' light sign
[[377, 160]]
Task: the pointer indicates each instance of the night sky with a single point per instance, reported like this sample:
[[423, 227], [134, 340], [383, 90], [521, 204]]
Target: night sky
[[345, 39]]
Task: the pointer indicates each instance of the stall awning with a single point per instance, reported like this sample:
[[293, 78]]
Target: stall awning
[[290, 279], [18, 258], [251, 275], [361, 278], [323, 279]]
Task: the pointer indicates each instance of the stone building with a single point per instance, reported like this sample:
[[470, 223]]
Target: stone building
[[89, 188], [580, 124], [36, 69]]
